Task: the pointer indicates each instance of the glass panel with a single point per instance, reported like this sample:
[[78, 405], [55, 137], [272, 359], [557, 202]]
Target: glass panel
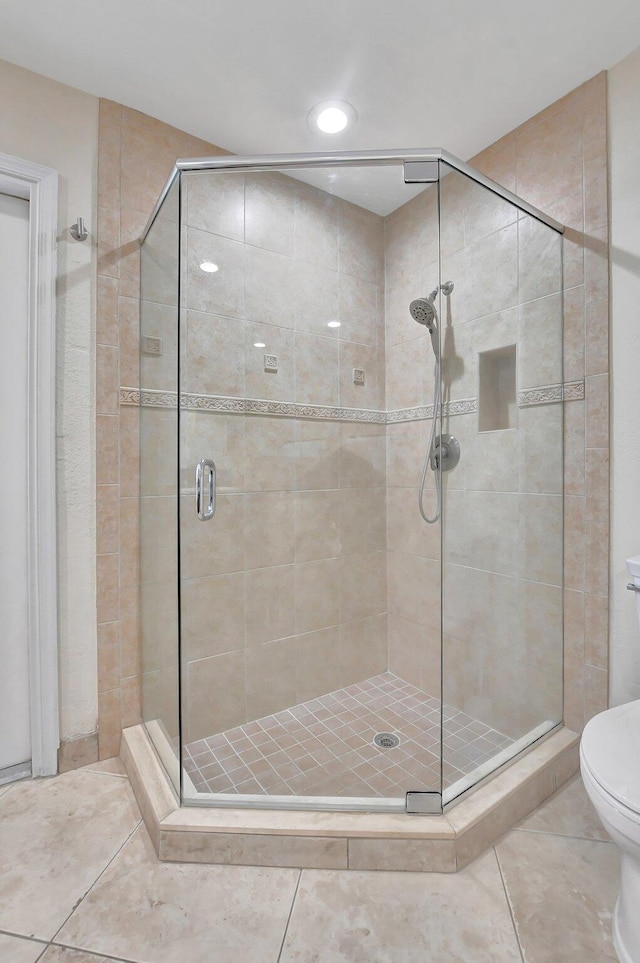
[[310, 601], [503, 537], [413, 344], [158, 477]]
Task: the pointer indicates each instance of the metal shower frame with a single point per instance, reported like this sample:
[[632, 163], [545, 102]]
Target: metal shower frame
[[425, 164]]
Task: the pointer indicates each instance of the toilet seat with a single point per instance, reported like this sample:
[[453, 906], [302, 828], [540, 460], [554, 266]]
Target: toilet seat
[[611, 810], [610, 750]]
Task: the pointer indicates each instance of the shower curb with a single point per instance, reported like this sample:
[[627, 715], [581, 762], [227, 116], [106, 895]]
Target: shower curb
[[346, 840]]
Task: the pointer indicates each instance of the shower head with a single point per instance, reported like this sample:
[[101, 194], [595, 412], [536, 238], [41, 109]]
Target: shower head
[[423, 310]]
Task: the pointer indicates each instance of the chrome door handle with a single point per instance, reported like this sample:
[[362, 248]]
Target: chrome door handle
[[633, 587], [205, 477]]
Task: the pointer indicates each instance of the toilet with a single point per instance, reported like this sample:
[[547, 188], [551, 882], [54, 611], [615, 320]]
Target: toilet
[[610, 766]]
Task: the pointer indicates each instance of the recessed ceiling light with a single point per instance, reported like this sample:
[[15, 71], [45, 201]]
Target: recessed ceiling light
[[333, 324], [331, 116], [208, 267], [259, 344], [332, 120]]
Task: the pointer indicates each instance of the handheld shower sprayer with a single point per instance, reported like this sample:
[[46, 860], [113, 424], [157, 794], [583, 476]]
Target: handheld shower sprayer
[[423, 310]]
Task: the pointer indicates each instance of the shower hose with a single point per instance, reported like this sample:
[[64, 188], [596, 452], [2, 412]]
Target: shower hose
[[429, 457]]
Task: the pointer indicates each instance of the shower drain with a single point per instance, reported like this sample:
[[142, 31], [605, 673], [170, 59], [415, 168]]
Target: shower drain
[[386, 740]]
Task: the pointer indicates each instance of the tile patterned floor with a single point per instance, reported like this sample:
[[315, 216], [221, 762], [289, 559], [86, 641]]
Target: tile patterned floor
[[80, 883], [325, 747]]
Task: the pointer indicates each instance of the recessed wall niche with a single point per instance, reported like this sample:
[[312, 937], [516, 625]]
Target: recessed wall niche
[[497, 389]]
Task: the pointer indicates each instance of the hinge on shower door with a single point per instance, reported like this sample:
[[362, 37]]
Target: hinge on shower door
[[421, 172], [424, 803]]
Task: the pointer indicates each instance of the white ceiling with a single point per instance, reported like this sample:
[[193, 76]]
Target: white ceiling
[[457, 74]]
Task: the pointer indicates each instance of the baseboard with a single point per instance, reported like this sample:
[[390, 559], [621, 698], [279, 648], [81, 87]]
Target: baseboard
[[75, 753]]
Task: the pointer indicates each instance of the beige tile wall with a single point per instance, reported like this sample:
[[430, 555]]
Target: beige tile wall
[[268, 618], [502, 506], [265, 620], [268, 584], [159, 599], [136, 154], [558, 161], [413, 547], [291, 258]]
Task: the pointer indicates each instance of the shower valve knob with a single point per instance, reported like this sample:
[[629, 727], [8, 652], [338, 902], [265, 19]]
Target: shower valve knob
[[446, 453]]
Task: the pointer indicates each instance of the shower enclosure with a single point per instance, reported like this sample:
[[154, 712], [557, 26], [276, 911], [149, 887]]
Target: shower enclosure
[[308, 639]]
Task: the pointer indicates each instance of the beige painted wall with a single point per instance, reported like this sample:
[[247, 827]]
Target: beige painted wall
[[624, 160], [49, 123]]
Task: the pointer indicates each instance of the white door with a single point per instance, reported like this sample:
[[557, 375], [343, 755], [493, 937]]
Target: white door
[[15, 734]]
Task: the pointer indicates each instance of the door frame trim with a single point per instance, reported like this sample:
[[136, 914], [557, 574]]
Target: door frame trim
[[39, 185]]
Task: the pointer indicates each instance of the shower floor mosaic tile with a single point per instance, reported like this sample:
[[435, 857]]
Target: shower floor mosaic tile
[[324, 747]]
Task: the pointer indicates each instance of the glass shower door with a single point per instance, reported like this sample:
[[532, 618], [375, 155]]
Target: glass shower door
[[310, 599]]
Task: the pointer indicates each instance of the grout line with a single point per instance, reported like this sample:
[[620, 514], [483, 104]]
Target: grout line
[[44, 950], [99, 772], [21, 936], [286, 929], [98, 877], [547, 832], [506, 896], [99, 956]]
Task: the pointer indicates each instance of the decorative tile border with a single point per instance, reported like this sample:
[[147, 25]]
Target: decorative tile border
[[152, 398], [548, 395], [420, 413], [573, 391], [551, 394], [149, 399], [291, 409], [465, 406]]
